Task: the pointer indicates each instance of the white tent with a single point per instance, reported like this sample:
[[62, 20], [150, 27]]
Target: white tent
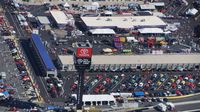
[[159, 4], [102, 31], [171, 27], [131, 39], [150, 30], [147, 7], [107, 50], [66, 5], [192, 12], [90, 7], [97, 98], [95, 4], [159, 14], [1, 94], [108, 12]]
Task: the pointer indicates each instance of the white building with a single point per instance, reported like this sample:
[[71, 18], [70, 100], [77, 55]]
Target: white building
[[123, 22], [133, 61], [102, 99], [44, 22], [62, 19], [147, 7]]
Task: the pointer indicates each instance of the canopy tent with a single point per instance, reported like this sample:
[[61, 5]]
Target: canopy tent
[[131, 39], [66, 5], [107, 50], [192, 12], [150, 30], [96, 4], [147, 7], [102, 31], [159, 14], [108, 12], [158, 4]]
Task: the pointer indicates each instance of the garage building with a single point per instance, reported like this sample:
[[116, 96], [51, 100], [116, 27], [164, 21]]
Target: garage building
[[171, 61], [103, 99]]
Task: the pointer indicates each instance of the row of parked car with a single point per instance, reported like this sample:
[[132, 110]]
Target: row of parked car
[[23, 74], [99, 84], [54, 86], [162, 84], [155, 84]]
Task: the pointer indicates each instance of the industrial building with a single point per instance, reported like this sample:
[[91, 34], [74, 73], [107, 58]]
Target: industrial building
[[62, 19], [123, 22], [165, 61]]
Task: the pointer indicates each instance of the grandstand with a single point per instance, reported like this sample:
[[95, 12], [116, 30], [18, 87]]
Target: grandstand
[[47, 67]]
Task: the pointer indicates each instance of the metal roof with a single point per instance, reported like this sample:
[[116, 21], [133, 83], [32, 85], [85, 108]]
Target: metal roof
[[42, 52], [138, 59], [43, 20]]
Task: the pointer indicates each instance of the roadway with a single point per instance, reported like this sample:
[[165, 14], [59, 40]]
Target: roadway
[[184, 104], [23, 36]]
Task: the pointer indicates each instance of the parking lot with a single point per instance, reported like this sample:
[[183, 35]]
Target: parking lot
[[156, 84], [153, 83]]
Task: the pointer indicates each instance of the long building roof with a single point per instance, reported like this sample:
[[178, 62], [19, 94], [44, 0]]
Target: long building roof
[[138, 59], [123, 21], [59, 16], [42, 52]]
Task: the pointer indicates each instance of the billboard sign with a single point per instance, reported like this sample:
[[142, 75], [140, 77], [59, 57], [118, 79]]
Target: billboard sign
[[83, 61], [84, 52]]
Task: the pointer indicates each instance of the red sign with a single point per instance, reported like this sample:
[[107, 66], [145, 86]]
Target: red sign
[[84, 52]]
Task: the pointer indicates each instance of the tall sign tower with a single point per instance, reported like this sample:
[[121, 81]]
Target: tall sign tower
[[82, 61]]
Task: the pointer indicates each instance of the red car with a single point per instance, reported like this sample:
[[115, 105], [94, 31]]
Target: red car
[[174, 85], [19, 62], [180, 77], [99, 77], [96, 90], [178, 93], [108, 80], [73, 87]]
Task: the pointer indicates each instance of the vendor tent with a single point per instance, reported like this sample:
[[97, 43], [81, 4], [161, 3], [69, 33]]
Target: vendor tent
[[131, 39], [96, 4], [108, 13], [150, 30], [192, 12], [102, 31], [66, 5]]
